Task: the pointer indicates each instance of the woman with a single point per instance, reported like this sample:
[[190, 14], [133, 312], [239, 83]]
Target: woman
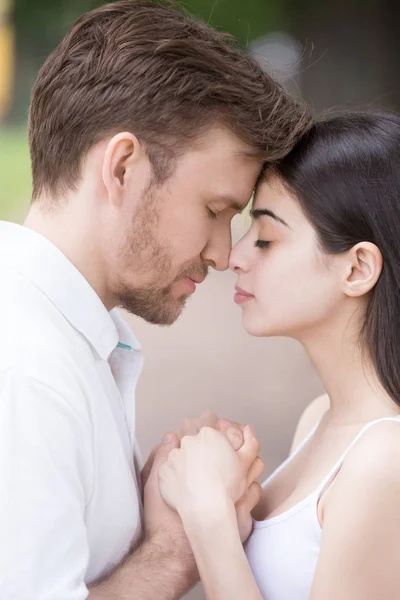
[[320, 264]]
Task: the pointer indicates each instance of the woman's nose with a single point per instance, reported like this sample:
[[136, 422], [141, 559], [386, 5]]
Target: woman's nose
[[237, 259]]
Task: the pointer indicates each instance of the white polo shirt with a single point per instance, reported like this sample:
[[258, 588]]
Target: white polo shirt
[[70, 503]]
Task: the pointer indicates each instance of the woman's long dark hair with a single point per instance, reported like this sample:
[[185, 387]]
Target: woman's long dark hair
[[345, 172]]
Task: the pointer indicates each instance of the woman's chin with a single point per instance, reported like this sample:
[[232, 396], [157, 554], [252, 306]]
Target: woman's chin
[[256, 329]]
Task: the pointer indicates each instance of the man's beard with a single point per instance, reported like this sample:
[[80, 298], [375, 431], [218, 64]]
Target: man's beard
[[153, 304], [148, 256]]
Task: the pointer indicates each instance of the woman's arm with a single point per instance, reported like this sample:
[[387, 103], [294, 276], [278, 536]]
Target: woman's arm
[[218, 551], [202, 481], [360, 551]]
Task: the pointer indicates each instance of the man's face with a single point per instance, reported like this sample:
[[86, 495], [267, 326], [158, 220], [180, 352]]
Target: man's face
[[183, 226]]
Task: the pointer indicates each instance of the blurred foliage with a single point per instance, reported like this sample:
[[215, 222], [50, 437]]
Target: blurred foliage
[[41, 24], [15, 172], [246, 19]]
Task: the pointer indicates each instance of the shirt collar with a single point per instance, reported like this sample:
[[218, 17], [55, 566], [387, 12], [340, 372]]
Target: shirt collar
[[39, 260]]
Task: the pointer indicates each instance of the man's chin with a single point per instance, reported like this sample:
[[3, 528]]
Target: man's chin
[[169, 315], [164, 314]]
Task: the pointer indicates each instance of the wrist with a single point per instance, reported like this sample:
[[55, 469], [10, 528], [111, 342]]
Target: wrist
[[201, 518], [175, 553]]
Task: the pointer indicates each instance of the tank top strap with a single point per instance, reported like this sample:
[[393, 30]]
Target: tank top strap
[[290, 457], [334, 471]]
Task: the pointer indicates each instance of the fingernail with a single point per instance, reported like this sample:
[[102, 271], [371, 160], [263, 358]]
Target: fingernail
[[168, 437]]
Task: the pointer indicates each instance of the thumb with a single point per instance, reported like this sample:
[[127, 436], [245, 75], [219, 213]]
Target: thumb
[[169, 442]]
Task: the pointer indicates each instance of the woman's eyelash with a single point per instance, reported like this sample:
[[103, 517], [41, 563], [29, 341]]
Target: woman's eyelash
[[211, 214], [261, 244]]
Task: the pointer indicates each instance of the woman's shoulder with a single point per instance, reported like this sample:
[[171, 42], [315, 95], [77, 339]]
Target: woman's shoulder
[[370, 474], [310, 417], [376, 453]]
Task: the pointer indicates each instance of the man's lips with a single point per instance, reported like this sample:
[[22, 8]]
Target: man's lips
[[192, 281], [197, 279]]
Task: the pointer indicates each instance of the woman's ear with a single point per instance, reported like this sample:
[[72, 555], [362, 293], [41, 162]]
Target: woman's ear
[[362, 270]]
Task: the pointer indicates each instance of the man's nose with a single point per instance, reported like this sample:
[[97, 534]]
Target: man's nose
[[216, 253]]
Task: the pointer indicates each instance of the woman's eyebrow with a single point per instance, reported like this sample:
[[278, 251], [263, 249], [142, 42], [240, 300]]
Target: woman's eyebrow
[[257, 213]]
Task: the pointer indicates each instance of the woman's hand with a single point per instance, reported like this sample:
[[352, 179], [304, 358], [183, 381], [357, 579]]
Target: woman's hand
[[207, 471], [234, 433]]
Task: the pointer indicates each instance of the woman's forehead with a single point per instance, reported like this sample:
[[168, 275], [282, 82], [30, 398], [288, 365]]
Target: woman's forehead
[[273, 194]]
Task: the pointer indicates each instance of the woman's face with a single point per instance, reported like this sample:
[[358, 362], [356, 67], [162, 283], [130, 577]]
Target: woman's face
[[290, 287]]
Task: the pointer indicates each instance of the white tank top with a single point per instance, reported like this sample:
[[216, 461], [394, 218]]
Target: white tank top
[[283, 550]]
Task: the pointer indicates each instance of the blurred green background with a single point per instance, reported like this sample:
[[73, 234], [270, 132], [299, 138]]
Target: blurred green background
[[333, 52]]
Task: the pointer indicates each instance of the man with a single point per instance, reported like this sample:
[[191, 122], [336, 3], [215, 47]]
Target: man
[[147, 131]]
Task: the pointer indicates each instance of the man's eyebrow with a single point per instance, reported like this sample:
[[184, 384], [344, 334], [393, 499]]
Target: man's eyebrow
[[233, 202], [257, 213]]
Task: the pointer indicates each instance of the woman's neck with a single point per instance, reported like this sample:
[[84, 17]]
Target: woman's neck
[[347, 373]]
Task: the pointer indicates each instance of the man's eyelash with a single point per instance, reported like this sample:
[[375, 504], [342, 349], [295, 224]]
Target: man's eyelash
[[211, 214], [261, 244]]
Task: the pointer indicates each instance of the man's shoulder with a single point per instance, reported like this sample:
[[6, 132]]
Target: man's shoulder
[[28, 317], [37, 341]]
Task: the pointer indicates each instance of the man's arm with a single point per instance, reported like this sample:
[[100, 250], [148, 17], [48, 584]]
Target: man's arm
[[149, 573], [163, 567], [45, 479]]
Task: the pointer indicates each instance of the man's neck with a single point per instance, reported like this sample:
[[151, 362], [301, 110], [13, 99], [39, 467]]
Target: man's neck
[[74, 235]]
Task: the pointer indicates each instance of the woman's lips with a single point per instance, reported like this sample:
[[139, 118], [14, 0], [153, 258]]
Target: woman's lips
[[241, 296]]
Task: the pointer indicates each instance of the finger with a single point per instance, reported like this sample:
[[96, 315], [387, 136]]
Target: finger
[[209, 419], [248, 452], [255, 471], [249, 500], [235, 437], [169, 442], [144, 475], [189, 427], [224, 424]]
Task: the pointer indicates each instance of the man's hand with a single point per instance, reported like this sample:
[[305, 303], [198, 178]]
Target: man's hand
[[249, 500], [252, 496], [232, 430], [163, 527], [192, 426]]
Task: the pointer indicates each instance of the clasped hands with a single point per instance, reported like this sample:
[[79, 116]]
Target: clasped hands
[[217, 462]]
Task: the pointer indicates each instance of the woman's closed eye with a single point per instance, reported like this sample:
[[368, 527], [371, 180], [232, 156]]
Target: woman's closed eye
[[262, 244]]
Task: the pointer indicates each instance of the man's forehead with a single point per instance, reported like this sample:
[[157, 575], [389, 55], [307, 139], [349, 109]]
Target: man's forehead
[[221, 145]]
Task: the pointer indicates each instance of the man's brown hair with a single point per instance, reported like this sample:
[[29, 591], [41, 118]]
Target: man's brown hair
[[149, 68]]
